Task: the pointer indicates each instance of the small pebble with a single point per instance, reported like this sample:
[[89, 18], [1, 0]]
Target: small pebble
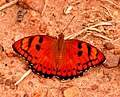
[[8, 82], [109, 18], [70, 92], [109, 46], [112, 60], [17, 95], [117, 51], [106, 71], [6, 65], [36, 5], [1, 52], [1, 48], [1, 75], [86, 15], [25, 95], [109, 78], [2, 2], [94, 87], [30, 83], [10, 73], [11, 54], [12, 86], [2, 80]]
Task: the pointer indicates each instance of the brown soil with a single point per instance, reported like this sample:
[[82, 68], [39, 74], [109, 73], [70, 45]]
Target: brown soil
[[52, 17]]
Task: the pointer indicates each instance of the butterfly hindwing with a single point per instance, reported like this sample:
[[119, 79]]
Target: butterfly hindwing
[[78, 56], [39, 51]]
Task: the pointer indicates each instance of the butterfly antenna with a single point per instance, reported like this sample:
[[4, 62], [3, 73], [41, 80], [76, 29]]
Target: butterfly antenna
[[56, 22], [69, 23]]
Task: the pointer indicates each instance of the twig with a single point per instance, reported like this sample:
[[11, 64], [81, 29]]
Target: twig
[[115, 41], [86, 35], [68, 10], [108, 12], [88, 28], [26, 74], [104, 37], [94, 29], [44, 8], [112, 3], [8, 4], [117, 35]]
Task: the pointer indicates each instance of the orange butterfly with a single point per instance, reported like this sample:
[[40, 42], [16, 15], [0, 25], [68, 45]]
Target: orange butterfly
[[64, 59]]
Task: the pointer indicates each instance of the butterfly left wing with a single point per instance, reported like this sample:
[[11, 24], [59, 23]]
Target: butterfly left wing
[[39, 51], [78, 56]]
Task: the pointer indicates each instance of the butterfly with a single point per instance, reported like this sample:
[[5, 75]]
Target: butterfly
[[63, 59]]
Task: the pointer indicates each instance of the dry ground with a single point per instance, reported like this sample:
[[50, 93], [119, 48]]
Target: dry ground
[[98, 23]]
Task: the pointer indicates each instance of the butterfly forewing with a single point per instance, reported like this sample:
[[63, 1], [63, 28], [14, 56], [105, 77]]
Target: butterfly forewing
[[39, 51], [78, 56]]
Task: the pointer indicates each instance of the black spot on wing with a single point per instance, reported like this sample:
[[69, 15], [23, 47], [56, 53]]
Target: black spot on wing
[[40, 72], [41, 40], [30, 41], [79, 45], [48, 69], [97, 52], [68, 70], [44, 67], [78, 64], [40, 65], [59, 70], [89, 50], [37, 47], [53, 69], [73, 68], [36, 57], [64, 71], [80, 53]]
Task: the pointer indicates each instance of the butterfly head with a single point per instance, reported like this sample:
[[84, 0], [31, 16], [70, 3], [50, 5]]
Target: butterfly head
[[61, 36]]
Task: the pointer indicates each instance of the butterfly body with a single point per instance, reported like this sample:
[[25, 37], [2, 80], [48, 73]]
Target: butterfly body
[[57, 57]]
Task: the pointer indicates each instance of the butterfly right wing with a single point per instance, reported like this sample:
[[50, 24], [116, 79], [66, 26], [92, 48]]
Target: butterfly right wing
[[78, 56], [40, 52]]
